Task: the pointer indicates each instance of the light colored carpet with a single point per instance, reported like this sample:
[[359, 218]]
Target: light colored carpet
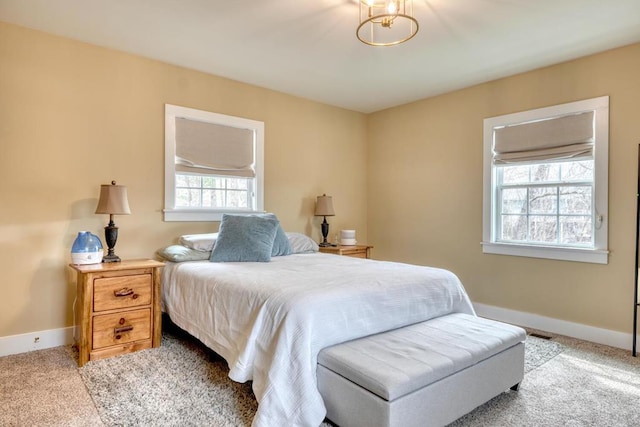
[[42, 388], [585, 385], [539, 351], [183, 383], [180, 383]]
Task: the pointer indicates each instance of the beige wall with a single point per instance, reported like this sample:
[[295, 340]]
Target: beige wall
[[74, 116], [425, 190]]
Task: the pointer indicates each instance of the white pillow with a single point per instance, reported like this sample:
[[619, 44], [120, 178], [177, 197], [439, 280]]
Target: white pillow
[[199, 242], [301, 243], [179, 253]]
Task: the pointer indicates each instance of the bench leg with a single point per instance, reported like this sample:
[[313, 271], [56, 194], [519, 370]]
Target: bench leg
[[516, 387]]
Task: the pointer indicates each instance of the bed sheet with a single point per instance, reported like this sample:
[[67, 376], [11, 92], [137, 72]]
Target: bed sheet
[[270, 320]]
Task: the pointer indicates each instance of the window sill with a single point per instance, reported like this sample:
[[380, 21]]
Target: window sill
[[201, 214], [595, 256]]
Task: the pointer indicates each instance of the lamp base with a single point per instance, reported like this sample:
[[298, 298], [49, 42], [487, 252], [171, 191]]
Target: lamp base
[[325, 232], [111, 236], [111, 258]]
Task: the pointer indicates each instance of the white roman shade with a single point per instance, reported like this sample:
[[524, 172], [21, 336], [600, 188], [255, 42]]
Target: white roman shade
[[208, 148], [569, 137]]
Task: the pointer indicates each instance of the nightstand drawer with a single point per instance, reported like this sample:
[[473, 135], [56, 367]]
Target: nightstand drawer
[[121, 292], [356, 254], [119, 328]]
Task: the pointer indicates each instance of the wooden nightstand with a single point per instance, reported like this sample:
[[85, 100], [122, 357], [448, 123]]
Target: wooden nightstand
[[356, 251], [117, 308]]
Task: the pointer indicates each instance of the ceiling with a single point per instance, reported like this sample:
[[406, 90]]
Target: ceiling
[[308, 48]]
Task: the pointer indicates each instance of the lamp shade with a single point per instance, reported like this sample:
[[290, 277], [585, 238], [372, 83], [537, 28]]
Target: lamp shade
[[324, 206], [113, 200]]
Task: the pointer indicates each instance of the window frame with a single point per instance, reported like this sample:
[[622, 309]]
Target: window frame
[[599, 254], [173, 213]]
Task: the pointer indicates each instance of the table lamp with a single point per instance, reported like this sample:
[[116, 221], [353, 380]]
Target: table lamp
[[113, 201], [324, 208]]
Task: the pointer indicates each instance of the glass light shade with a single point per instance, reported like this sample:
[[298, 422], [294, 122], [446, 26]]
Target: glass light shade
[[386, 22]]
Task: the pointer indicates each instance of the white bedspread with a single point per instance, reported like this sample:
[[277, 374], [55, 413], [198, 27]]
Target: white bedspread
[[270, 320]]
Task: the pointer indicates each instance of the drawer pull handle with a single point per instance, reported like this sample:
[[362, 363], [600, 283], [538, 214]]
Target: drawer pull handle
[[123, 329], [118, 331], [124, 292]]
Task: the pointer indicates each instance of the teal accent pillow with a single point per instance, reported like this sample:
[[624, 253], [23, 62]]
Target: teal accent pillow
[[245, 239], [281, 244]]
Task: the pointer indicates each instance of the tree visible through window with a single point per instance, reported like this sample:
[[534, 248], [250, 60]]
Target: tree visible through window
[[547, 203], [204, 191]]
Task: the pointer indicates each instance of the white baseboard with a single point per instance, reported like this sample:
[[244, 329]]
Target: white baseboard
[[14, 344], [562, 327]]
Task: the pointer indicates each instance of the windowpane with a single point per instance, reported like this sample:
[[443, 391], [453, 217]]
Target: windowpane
[[543, 229], [181, 181], [546, 172], [237, 184], [212, 182], [182, 197], [193, 181], [237, 199], [187, 197], [514, 200], [515, 174], [575, 200], [576, 230], [213, 199], [543, 200], [514, 228], [577, 171]]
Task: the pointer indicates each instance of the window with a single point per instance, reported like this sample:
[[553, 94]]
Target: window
[[213, 165], [545, 182]]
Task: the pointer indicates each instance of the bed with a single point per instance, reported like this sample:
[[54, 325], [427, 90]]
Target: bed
[[269, 320]]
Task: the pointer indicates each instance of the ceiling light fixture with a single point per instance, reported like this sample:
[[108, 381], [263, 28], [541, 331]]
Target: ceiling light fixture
[[386, 22]]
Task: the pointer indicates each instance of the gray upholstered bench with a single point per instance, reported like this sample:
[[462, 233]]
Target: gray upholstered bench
[[427, 374]]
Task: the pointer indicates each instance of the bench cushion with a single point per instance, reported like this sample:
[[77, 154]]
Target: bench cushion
[[395, 363]]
